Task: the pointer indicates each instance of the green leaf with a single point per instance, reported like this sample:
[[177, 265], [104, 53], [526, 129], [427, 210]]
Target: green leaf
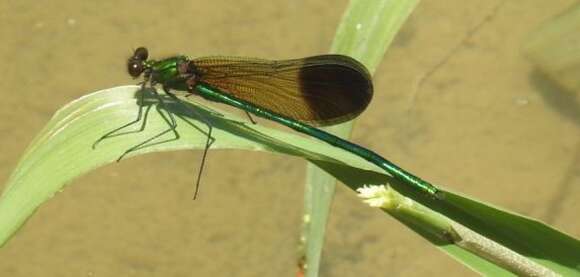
[[365, 32], [63, 151]]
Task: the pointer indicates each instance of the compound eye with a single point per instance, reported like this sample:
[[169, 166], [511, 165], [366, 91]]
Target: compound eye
[[141, 53], [135, 68]]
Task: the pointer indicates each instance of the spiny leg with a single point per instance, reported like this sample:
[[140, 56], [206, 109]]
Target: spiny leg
[[250, 117], [209, 141], [172, 128], [208, 144], [113, 132]]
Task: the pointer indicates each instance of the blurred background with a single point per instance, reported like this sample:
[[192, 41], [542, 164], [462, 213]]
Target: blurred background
[[456, 102]]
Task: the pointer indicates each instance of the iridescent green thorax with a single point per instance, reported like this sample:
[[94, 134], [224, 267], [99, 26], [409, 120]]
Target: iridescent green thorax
[[165, 71]]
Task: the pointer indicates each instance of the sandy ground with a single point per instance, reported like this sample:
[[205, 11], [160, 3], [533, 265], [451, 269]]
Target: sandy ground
[[456, 102]]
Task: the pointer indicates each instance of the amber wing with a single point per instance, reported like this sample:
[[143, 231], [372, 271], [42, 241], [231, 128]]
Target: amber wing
[[320, 90]]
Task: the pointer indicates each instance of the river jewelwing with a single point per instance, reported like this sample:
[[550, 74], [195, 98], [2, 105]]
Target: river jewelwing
[[299, 93]]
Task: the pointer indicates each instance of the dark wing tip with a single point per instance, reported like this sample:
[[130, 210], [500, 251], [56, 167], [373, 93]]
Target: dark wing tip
[[338, 88]]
